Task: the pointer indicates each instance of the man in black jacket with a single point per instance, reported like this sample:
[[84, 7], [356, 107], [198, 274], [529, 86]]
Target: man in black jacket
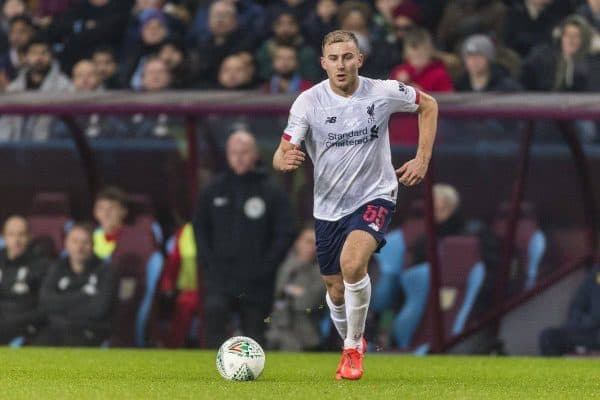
[[22, 270], [87, 25], [76, 295], [244, 227], [583, 326]]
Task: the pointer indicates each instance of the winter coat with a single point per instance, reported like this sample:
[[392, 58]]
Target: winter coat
[[36, 128], [243, 227]]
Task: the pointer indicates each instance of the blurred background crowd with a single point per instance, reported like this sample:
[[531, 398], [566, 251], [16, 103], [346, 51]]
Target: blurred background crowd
[[274, 46], [242, 258]]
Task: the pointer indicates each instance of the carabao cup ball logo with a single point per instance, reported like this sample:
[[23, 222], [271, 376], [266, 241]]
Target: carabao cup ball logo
[[240, 359]]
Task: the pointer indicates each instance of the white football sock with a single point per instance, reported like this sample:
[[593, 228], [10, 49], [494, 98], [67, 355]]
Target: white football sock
[[338, 316], [357, 296]]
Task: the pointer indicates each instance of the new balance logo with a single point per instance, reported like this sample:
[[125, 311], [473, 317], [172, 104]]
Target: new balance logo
[[331, 120]]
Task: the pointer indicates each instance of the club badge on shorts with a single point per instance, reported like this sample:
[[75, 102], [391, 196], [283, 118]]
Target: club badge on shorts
[[254, 208]]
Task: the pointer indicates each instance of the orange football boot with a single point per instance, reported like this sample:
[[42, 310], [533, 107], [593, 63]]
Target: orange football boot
[[338, 372]]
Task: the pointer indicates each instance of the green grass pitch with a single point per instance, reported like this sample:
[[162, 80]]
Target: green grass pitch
[[147, 374]]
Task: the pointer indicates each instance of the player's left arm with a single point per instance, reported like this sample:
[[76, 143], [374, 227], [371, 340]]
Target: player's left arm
[[413, 171]]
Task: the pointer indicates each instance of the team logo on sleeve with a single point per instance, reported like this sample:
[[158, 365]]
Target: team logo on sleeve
[[401, 87]]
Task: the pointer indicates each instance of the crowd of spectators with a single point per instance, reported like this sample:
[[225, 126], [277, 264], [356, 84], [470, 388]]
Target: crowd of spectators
[[274, 47]]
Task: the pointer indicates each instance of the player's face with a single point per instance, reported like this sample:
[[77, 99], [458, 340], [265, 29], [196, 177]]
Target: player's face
[[341, 61], [16, 237]]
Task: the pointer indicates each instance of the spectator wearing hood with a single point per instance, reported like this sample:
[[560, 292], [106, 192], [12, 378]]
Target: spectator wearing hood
[[176, 25], [154, 30]]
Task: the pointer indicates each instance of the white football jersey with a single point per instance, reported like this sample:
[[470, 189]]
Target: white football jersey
[[348, 141]]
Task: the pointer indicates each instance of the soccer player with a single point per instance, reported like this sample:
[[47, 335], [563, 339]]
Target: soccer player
[[344, 124]]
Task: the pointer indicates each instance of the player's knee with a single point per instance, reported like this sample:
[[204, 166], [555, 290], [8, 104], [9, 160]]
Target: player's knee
[[337, 295], [336, 291], [353, 270]]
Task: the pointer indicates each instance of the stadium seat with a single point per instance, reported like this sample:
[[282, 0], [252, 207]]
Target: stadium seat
[[142, 213], [139, 265], [17, 342], [48, 221], [415, 282], [530, 247], [390, 260], [462, 273]]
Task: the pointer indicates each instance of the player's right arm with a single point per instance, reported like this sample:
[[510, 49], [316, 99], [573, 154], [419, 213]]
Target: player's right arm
[[288, 157]]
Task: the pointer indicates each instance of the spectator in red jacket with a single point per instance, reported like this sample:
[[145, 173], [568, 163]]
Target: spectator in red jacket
[[423, 71]]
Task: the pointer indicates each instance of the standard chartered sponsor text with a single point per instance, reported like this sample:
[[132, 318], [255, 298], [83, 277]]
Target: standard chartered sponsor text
[[351, 138]]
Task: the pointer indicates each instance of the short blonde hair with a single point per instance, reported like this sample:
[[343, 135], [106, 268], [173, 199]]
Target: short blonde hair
[[339, 36], [448, 193]]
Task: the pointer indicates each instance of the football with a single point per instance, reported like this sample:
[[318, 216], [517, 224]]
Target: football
[[240, 358]]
